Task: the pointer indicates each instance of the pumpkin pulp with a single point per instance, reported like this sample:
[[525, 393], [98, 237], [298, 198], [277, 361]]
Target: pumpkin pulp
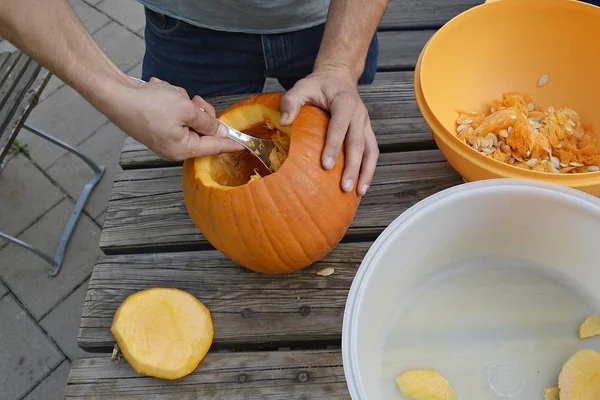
[[230, 170]]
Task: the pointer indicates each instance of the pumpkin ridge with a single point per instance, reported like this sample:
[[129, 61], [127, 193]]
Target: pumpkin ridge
[[237, 230], [279, 259], [317, 227], [285, 223]]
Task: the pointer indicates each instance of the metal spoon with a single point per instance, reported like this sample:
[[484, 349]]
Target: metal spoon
[[260, 148]]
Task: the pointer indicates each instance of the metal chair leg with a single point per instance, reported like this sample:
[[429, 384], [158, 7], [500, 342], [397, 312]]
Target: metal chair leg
[[57, 261]]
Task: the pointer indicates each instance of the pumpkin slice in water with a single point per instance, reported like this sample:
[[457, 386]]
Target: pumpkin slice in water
[[552, 393], [580, 377], [163, 332], [271, 223], [590, 327], [424, 384]]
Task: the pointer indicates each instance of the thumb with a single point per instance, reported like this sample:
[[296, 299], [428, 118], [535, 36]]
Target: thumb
[[291, 103], [205, 124]]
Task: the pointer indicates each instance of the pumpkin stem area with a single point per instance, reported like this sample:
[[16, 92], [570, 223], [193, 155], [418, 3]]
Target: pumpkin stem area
[[241, 167]]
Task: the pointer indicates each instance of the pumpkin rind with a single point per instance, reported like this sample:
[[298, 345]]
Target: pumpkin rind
[[163, 332], [284, 221]]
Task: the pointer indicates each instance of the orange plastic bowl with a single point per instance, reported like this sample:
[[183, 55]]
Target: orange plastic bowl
[[505, 46]]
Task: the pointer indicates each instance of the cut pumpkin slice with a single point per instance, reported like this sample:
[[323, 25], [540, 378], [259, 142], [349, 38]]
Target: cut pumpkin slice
[[580, 377], [424, 384], [163, 332], [552, 393], [590, 327]]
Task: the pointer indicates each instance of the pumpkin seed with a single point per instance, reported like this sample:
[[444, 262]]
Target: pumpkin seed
[[532, 163], [326, 271], [517, 157], [571, 123], [543, 80], [564, 165], [491, 137], [466, 122], [593, 168], [503, 133], [506, 149], [555, 170], [511, 160], [461, 128], [483, 142], [513, 117], [535, 124], [575, 164], [493, 110], [530, 107], [555, 162], [559, 146], [510, 129], [568, 128]]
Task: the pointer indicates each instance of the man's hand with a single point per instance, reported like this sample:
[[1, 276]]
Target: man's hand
[[335, 89], [164, 118]]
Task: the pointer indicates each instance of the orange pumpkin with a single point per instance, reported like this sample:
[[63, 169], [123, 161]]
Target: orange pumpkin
[[271, 223]]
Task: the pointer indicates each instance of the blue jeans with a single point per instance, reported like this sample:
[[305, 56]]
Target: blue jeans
[[210, 63]]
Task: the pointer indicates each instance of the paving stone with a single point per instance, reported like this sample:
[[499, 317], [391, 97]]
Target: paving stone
[[100, 219], [136, 71], [53, 387], [92, 2], [51, 87], [20, 200], [124, 48], [3, 289], [65, 115], [62, 323], [5, 45], [27, 274], [71, 173], [129, 13], [92, 19], [27, 355]]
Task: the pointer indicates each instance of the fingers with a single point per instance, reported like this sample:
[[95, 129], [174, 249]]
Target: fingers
[[205, 105], [292, 102], [342, 112], [369, 161], [355, 147], [210, 145], [202, 122]]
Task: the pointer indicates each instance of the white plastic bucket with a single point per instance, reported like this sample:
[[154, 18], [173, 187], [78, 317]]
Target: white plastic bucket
[[486, 282]]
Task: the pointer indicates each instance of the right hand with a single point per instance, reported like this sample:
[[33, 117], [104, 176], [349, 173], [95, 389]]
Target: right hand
[[163, 118]]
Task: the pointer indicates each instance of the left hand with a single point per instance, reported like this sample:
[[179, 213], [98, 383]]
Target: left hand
[[334, 89]]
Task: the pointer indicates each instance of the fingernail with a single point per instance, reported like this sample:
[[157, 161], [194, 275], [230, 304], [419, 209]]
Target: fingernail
[[348, 185], [329, 162], [284, 118], [222, 131], [363, 189]]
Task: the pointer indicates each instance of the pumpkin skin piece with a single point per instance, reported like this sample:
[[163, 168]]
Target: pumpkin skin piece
[[281, 222], [163, 332]]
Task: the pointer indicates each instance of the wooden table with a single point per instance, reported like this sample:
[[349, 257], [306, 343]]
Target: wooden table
[[276, 337]]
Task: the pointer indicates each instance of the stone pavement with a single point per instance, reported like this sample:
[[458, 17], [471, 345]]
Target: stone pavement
[[39, 315]]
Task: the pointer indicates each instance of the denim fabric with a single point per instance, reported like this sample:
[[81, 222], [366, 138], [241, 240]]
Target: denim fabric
[[210, 63]]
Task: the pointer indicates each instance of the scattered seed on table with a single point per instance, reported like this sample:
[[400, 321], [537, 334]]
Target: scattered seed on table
[[326, 271]]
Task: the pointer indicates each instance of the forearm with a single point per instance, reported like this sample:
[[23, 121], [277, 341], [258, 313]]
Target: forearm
[[50, 32], [349, 30]]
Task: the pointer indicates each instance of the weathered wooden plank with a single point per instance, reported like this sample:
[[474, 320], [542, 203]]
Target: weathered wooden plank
[[275, 375], [147, 212], [400, 50], [248, 309], [393, 110], [21, 82], [423, 14]]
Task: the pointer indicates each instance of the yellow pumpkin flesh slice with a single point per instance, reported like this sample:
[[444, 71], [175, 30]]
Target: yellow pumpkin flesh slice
[[163, 332], [552, 393], [580, 377], [424, 384], [590, 327]]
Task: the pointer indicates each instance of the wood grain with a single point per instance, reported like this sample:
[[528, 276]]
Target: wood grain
[[275, 375], [395, 118], [248, 309], [424, 14], [21, 83], [146, 212]]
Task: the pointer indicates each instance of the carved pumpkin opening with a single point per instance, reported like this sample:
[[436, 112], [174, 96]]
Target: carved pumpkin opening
[[239, 168]]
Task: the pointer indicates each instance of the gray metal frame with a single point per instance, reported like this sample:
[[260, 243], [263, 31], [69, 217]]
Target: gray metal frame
[[57, 261]]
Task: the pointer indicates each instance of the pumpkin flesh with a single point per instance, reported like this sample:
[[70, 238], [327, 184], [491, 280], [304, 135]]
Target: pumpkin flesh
[[163, 332], [271, 223]]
